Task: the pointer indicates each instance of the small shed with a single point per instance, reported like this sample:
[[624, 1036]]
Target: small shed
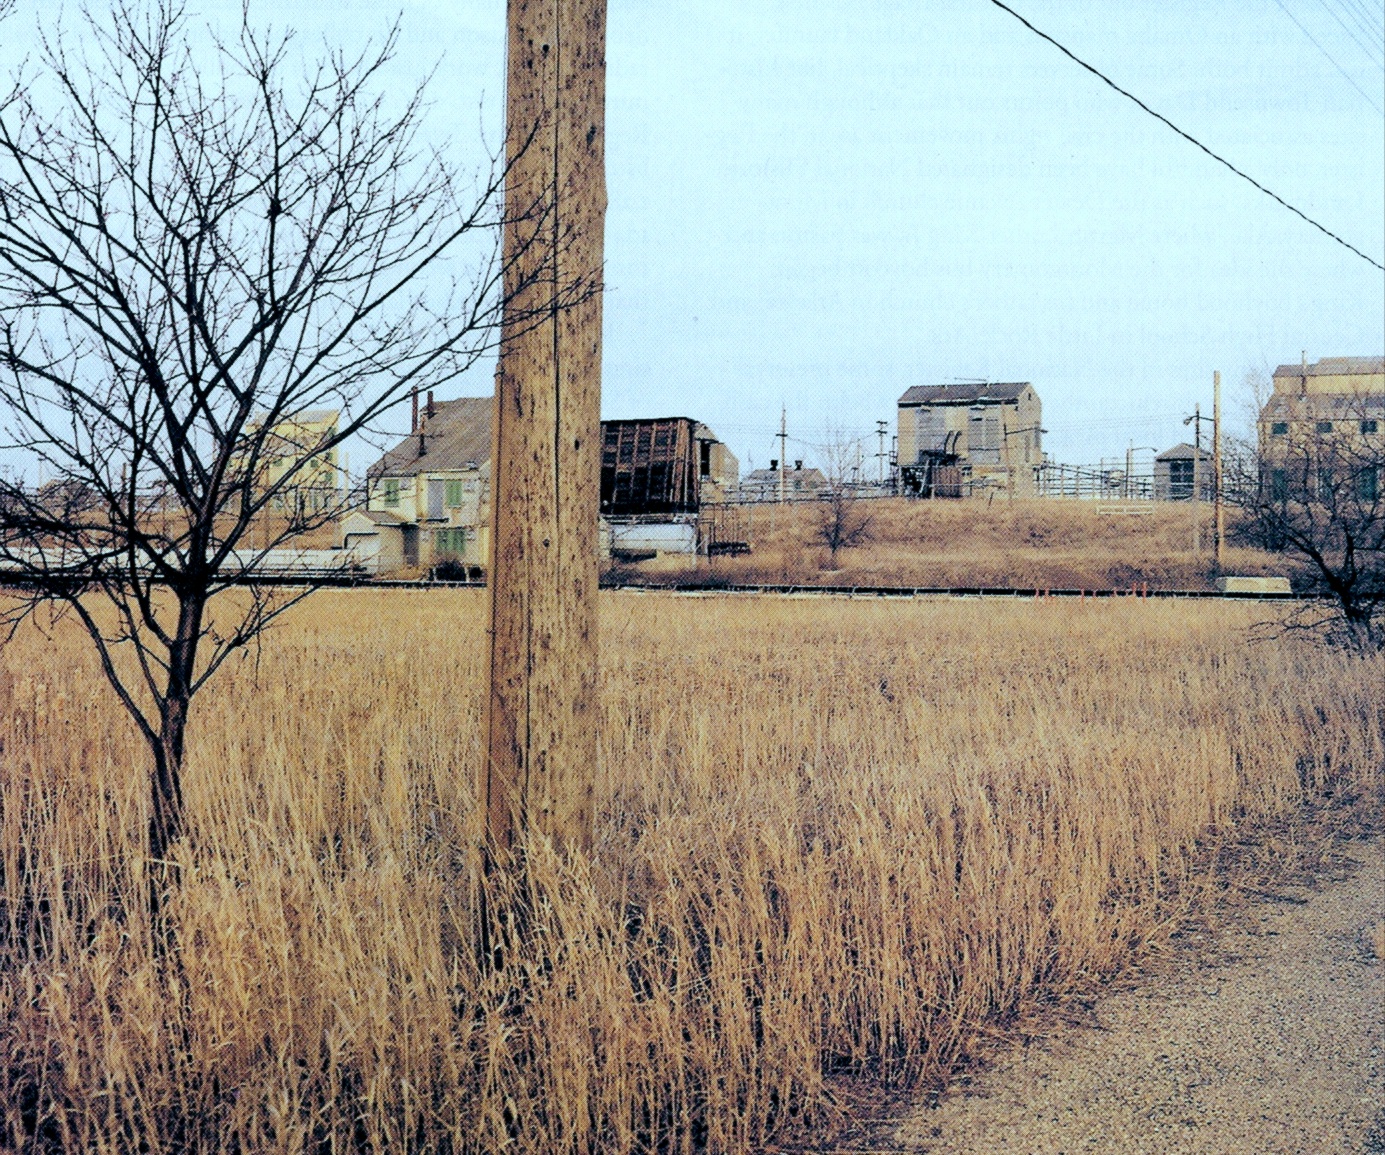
[[1175, 471], [378, 540]]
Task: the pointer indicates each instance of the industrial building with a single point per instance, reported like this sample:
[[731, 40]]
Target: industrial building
[[1323, 426], [662, 466], [969, 439]]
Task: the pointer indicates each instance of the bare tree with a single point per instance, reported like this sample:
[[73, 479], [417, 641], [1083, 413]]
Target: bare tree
[[1314, 488], [844, 519], [217, 264]]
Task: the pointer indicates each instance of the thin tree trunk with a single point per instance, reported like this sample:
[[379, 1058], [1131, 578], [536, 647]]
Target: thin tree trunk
[[166, 788]]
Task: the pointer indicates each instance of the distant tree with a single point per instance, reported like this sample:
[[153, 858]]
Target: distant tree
[[205, 243], [1314, 488], [844, 519]]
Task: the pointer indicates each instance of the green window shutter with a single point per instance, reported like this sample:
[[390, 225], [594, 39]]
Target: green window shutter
[[450, 541], [453, 497]]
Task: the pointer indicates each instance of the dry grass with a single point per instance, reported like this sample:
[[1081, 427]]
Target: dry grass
[[837, 837], [1043, 544]]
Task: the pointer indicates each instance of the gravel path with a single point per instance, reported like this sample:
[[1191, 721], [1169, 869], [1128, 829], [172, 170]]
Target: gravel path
[[1266, 1037]]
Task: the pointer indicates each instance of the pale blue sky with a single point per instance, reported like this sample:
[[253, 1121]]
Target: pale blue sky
[[820, 205]]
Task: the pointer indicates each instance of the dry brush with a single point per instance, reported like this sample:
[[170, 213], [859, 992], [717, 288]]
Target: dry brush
[[835, 838]]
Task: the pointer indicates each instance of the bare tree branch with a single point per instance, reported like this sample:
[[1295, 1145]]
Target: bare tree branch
[[844, 520], [1314, 488], [216, 267]]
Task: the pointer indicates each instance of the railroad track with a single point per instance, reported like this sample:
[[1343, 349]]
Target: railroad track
[[853, 591], [346, 579], [1018, 592]]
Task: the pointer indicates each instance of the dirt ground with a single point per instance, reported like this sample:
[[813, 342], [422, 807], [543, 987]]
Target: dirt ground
[[1263, 1032]]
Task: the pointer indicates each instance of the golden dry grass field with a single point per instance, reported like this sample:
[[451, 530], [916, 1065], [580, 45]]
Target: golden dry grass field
[[836, 838]]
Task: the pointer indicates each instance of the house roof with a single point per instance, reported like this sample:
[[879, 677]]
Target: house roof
[[1335, 367], [1183, 452], [771, 476], [457, 435], [971, 393]]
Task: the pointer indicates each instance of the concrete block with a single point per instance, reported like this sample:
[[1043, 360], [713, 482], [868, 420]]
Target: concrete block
[[1253, 585]]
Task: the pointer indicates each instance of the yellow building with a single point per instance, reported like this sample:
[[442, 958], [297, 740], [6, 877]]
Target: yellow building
[[295, 442], [1323, 422], [432, 490]]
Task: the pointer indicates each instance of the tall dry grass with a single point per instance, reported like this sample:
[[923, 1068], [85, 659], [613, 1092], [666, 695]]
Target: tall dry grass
[[836, 837]]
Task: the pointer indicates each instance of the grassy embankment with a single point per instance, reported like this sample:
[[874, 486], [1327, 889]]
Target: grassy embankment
[[1036, 544], [835, 838]]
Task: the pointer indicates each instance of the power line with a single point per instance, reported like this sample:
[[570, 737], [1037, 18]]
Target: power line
[[1367, 23], [1190, 139], [1370, 52], [1327, 54]]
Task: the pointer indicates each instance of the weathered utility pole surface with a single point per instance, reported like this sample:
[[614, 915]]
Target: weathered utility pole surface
[[541, 723]]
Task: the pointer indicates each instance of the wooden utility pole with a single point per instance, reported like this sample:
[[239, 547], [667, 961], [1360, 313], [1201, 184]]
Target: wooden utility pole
[[1219, 516], [1196, 421], [783, 447], [541, 717]]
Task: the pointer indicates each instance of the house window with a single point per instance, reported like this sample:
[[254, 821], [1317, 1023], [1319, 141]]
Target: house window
[[453, 497], [1370, 425], [1324, 426], [1368, 485], [391, 492], [1279, 485], [449, 542], [1180, 479], [1279, 428]]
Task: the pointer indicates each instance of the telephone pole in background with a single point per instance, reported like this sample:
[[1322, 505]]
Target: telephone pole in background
[[783, 446], [541, 712], [1219, 515], [1196, 421], [880, 429]]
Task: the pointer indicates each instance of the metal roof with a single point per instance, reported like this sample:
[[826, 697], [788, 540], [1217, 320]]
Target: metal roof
[[1335, 367], [1184, 452], [378, 516], [699, 429], [984, 393]]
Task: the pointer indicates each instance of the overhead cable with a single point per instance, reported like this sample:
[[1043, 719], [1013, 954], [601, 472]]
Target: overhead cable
[[1370, 52], [1329, 56], [1190, 139]]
